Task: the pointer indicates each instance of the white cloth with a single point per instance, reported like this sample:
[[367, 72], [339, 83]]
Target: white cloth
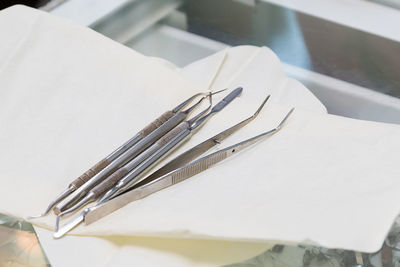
[[145, 251], [67, 94]]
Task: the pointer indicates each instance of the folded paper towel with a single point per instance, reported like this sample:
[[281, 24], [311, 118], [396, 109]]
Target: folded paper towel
[[317, 181]]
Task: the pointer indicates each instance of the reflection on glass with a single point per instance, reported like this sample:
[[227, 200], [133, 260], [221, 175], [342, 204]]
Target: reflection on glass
[[311, 256], [302, 40], [19, 245]]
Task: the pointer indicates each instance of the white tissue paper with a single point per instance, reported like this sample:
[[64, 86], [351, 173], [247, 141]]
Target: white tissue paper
[[67, 94]]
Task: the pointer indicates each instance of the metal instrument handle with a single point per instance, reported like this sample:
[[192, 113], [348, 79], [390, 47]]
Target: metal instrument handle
[[145, 187], [196, 151], [111, 180], [103, 208], [123, 159], [149, 157], [158, 149], [156, 146], [107, 184], [136, 149], [78, 182], [156, 123]]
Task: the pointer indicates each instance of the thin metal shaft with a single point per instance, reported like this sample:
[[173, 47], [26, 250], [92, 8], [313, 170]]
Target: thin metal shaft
[[218, 107], [106, 184], [190, 99], [198, 150], [63, 195], [128, 155], [115, 154], [91, 196], [100, 210], [134, 152], [184, 134], [137, 167]]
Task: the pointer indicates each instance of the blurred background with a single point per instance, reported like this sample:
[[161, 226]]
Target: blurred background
[[347, 52], [31, 3]]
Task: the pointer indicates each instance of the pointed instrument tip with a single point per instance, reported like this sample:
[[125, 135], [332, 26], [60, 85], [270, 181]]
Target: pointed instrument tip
[[63, 195], [284, 119], [232, 95], [261, 106], [239, 90], [288, 114], [44, 213]]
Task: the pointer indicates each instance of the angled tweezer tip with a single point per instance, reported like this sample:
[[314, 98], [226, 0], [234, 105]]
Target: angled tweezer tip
[[261, 106], [284, 119]]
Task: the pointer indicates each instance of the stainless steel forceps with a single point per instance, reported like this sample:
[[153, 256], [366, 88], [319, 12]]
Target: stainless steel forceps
[[129, 154], [99, 166], [129, 173], [172, 173]]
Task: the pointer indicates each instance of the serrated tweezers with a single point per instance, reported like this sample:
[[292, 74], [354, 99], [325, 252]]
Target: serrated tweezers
[[177, 170]]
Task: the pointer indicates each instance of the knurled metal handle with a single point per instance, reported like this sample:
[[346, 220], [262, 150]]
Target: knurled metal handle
[[108, 183], [171, 134], [197, 167], [78, 182], [156, 123]]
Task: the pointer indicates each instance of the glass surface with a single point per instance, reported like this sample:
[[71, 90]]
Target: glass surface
[[311, 256], [19, 245], [298, 39], [301, 40]]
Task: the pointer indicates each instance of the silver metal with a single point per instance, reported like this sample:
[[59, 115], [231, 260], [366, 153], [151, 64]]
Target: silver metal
[[148, 158], [118, 152], [137, 165], [72, 224], [153, 184], [97, 212], [125, 157], [89, 197], [132, 177], [148, 186], [141, 161], [190, 99], [63, 195], [198, 150], [218, 107]]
